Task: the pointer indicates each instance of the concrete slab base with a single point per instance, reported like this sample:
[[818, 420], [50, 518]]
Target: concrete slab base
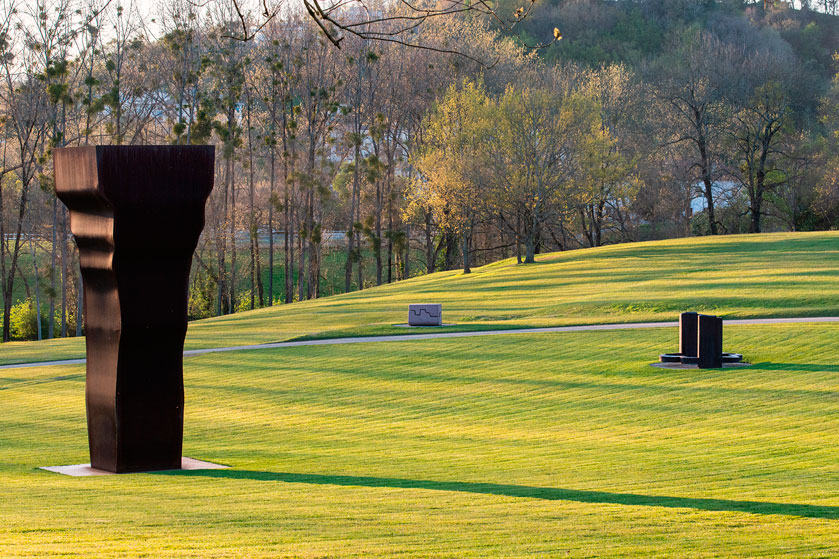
[[422, 325], [694, 366], [84, 470]]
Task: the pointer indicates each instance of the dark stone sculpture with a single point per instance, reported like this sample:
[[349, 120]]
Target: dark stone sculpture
[[700, 343], [687, 334], [136, 213], [709, 342]]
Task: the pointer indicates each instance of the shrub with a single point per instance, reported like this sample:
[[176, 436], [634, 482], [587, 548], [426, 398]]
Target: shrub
[[23, 324], [201, 297]]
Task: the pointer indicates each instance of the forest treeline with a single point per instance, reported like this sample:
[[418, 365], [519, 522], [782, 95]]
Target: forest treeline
[[378, 161]]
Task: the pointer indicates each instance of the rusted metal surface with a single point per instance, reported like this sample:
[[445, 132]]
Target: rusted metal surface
[[136, 213]]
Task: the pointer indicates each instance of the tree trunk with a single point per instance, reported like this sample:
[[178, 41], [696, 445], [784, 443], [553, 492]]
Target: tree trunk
[[530, 241], [351, 229], [465, 249], [450, 242], [288, 238], [709, 201], [231, 299], [221, 249], [260, 290], [754, 221], [597, 224], [360, 262], [271, 231], [705, 168], [377, 246], [252, 225], [756, 203], [37, 289], [301, 264], [310, 245], [316, 269], [63, 242], [389, 237], [585, 226], [10, 279], [530, 248], [288, 246], [53, 258], [3, 254], [429, 245], [406, 260]]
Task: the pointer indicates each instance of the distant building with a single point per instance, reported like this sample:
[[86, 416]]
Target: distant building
[[724, 194], [328, 238]]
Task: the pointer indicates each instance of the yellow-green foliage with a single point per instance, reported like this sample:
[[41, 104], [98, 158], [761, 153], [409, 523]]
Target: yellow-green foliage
[[452, 160], [23, 321]]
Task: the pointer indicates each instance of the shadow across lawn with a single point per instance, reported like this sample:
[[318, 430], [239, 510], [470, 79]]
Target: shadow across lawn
[[545, 493], [16, 383], [795, 367]]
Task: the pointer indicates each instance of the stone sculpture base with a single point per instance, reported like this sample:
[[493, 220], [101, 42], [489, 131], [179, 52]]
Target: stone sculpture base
[[682, 366], [403, 325], [725, 358], [85, 470]]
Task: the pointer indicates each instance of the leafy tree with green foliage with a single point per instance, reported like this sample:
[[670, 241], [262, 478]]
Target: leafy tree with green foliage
[[456, 133], [537, 152]]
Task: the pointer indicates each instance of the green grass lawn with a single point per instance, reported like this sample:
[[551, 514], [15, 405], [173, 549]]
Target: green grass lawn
[[540, 445], [742, 276]]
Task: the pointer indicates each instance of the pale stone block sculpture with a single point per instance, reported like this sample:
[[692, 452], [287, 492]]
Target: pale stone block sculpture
[[425, 315]]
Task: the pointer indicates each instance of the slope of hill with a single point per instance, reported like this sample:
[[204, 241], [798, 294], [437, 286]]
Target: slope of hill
[[509, 446], [742, 276], [545, 445]]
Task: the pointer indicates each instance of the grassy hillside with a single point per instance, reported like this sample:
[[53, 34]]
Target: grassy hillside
[[743, 276], [543, 445], [547, 445]]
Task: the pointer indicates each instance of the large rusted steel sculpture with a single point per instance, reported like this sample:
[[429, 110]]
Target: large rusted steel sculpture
[[136, 213]]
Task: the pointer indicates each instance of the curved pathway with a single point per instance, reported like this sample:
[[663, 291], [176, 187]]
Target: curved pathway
[[433, 336]]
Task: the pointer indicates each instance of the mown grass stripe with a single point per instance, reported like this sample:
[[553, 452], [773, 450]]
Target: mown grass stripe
[[737, 276], [555, 444]]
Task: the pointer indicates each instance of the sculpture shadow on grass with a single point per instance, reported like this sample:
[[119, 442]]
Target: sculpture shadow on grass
[[544, 493], [7, 383], [795, 367]]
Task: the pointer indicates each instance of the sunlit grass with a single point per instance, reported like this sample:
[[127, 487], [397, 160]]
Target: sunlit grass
[[542, 445], [742, 276]]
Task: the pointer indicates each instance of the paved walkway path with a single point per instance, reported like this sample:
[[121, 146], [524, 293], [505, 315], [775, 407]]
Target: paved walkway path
[[433, 336]]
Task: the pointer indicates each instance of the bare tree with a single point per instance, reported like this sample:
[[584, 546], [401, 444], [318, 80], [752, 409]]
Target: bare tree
[[318, 94], [25, 106], [124, 26], [183, 46], [691, 84], [760, 134], [373, 20]]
